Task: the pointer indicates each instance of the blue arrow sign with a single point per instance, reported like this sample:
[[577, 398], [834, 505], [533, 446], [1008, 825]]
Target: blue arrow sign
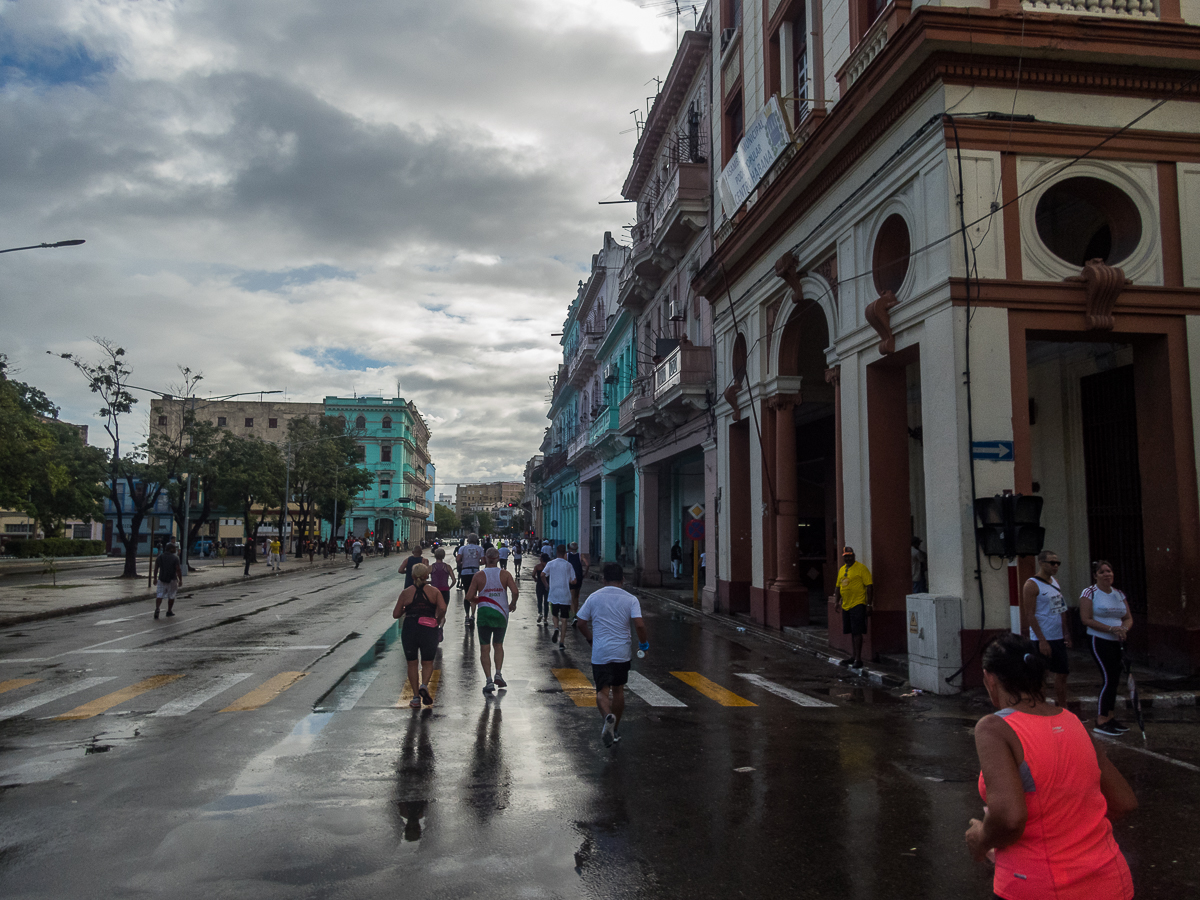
[[996, 451]]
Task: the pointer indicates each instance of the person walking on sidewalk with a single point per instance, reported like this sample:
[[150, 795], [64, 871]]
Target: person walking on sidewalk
[[247, 556], [557, 576], [1050, 792], [1105, 612], [604, 620], [168, 571], [488, 593], [856, 593], [356, 551], [1043, 605], [424, 610]]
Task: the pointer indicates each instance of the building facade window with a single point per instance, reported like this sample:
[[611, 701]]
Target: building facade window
[[162, 420], [385, 453], [221, 421], [385, 488], [387, 423], [360, 422], [272, 423], [249, 421]]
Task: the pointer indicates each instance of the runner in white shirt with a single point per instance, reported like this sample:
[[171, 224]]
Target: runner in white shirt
[[558, 576], [604, 620], [470, 555], [504, 554]]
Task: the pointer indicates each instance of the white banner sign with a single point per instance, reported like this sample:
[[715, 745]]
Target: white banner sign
[[765, 139]]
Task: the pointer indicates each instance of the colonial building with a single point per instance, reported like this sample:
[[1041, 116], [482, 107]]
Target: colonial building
[[395, 447], [956, 253], [470, 498]]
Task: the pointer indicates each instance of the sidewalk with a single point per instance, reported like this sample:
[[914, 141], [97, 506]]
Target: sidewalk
[[1155, 688], [32, 603]]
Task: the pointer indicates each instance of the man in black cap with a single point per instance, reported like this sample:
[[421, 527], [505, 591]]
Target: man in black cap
[[855, 591]]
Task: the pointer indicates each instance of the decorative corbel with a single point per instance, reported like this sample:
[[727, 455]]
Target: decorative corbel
[[731, 394], [787, 267], [1102, 285], [834, 376], [879, 317]]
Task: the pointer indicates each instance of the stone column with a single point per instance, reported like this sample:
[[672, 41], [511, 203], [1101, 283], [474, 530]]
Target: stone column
[[608, 518], [788, 599], [647, 570], [585, 518]]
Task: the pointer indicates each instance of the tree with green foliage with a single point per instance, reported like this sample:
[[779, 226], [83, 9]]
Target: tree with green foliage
[[484, 520], [324, 465], [72, 486], [24, 439], [447, 520], [250, 473]]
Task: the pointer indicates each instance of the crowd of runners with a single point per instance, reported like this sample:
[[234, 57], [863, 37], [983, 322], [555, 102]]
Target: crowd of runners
[[490, 591]]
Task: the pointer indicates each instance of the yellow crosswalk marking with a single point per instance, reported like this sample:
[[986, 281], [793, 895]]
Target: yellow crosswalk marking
[[712, 690], [406, 695], [108, 701], [13, 683], [265, 693], [576, 686]]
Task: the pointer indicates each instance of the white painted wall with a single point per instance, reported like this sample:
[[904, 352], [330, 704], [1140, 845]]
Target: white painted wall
[[981, 174]]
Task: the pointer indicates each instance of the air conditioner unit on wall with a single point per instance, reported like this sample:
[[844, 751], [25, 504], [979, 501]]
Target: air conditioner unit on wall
[[676, 311], [611, 375]]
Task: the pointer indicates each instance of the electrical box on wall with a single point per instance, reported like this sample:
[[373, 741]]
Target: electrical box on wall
[[934, 641]]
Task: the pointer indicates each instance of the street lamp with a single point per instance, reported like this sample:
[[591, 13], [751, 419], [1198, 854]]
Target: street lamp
[[46, 246]]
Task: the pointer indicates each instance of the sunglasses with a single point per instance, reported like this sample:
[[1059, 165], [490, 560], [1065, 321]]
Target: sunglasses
[[1054, 562]]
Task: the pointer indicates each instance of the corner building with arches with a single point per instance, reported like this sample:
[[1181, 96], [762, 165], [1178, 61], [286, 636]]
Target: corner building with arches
[[984, 227]]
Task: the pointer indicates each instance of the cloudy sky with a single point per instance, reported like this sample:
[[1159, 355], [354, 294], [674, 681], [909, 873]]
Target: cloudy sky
[[318, 197]]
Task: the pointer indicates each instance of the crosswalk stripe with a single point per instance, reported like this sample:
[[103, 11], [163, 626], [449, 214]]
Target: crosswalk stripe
[[264, 693], [712, 690], [780, 691], [181, 706], [406, 695], [13, 683], [352, 691], [576, 686], [49, 696], [643, 687], [116, 698]]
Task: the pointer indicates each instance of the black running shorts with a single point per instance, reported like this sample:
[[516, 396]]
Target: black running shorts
[[562, 610], [417, 638], [854, 619], [612, 674], [490, 634]]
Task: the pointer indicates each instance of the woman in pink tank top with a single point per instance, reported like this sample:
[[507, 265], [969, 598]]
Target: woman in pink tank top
[[1049, 790]]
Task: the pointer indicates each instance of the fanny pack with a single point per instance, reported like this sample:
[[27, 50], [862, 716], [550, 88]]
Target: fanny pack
[[427, 621]]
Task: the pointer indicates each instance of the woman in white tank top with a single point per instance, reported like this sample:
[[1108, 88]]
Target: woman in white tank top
[[1105, 612]]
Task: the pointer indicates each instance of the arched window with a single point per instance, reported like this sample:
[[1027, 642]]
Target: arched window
[[387, 423], [342, 422], [360, 422]]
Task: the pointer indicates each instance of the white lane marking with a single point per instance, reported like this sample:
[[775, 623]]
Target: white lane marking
[[1137, 749], [651, 692], [185, 704], [190, 649], [356, 685], [780, 691], [116, 621], [37, 700]]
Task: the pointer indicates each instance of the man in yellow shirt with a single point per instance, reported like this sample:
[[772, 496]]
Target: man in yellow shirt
[[856, 593], [273, 560]]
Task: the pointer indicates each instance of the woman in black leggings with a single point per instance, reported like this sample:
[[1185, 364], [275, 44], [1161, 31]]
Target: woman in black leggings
[[424, 610], [1105, 612]]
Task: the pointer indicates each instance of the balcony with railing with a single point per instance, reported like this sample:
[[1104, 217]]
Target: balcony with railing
[[416, 476], [681, 209], [683, 377], [642, 273], [579, 446], [637, 406], [582, 364]]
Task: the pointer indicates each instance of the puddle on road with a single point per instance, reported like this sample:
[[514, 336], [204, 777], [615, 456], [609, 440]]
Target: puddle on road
[[67, 756]]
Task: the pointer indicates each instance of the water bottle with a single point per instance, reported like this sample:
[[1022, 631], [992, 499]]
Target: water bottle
[[642, 648]]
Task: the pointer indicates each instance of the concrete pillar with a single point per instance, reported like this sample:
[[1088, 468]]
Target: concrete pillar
[[585, 512], [708, 595], [647, 569], [608, 518], [787, 598]]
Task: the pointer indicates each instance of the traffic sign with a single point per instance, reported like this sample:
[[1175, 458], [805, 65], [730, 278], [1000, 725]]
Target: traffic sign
[[696, 511], [694, 530], [997, 451]]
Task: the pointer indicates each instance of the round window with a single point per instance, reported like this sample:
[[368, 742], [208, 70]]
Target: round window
[[889, 261], [1081, 219]]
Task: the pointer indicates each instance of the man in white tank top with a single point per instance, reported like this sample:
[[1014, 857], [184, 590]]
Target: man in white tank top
[[488, 593], [1043, 606]]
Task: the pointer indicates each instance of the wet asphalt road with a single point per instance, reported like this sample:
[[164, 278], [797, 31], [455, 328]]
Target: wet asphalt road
[[263, 748]]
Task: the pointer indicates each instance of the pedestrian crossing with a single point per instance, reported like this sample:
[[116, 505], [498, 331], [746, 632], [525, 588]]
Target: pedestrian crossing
[[675, 689]]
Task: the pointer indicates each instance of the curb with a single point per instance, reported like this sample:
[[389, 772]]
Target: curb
[[875, 676], [63, 611]]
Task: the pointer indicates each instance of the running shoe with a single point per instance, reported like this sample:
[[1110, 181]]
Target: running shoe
[[490, 687], [415, 703], [1107, 728], [499, 681], [423, 690], [607, 733], [846, 662], [156, 614], [169, 613], [1120, 726], [554, 637]]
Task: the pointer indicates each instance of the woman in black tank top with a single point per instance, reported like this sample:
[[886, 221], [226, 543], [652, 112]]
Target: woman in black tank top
[[424, 610]]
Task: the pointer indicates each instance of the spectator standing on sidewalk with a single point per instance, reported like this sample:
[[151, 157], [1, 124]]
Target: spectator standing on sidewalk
[[1049, 790], [856, 593], [168, 571], [676, 559], [247, 556], [604, 620], [1105, 612], [1043, 605]]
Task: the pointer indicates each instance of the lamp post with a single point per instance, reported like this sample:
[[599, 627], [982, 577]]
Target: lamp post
[[44, 246]]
